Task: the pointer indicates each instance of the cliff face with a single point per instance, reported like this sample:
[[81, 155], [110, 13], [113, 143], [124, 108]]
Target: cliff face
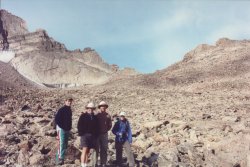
[[32, 42], [45, 61], [12, 25]]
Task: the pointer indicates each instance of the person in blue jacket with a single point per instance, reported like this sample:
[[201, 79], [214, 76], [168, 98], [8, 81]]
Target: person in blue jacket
[[123, 139]]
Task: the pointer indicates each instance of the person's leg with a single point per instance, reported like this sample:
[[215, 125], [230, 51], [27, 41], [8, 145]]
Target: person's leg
[[63, 144], [58, 146], [129, 154], [63, 140], [84, 156], [104, 148], [87, 156], [118, 148], [66, 139], [97, 150]]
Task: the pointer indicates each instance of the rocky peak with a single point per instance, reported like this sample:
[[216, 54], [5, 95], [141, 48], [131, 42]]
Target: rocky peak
[[88, 49], [224, 42], [11, 25], [204, 50]]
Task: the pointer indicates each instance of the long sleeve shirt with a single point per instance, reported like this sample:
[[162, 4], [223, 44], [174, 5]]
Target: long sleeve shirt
[[104, 122], [64, 118], [87, 124], [122, 131]]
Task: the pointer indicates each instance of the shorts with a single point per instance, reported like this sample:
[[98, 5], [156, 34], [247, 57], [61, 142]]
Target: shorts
[[88, 140]]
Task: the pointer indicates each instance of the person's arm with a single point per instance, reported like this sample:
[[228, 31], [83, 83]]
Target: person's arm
[[97, 130], [79, 124], [115, 129], [58, 117], [129, 134], [109, 122], [70, 119]]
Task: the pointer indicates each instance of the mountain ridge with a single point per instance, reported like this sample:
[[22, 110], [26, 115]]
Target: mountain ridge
[[45, 61]]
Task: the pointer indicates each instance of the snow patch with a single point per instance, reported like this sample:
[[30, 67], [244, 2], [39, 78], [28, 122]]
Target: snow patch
[[6, 56]]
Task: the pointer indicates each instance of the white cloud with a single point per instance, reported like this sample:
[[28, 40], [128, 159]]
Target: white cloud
[[151, 30], [178, 19]]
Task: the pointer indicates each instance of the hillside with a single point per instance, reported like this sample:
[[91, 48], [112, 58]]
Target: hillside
[[10, 78], [224, 65]]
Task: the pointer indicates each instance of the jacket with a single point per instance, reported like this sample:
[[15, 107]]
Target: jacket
[[104, 122], [122, 131], [63, 118], [87, 124]]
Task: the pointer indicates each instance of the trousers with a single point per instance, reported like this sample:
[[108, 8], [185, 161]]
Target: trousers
[[102, 148], [62, 137], [127, 148]]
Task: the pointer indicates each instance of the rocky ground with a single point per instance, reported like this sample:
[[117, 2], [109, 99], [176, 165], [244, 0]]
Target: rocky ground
[[170, 128]]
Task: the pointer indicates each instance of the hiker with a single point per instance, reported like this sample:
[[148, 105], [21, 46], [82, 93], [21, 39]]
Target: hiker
[[105, 124], [123, 139], [88, 130], [63, 121]]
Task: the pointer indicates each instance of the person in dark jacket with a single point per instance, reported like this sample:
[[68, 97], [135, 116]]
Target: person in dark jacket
[[123, 139], [63, 120], [105, 124], [88, 130]]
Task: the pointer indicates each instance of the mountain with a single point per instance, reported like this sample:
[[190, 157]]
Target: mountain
[[212, 66], [193, 113], [47, 62], [224, 65]]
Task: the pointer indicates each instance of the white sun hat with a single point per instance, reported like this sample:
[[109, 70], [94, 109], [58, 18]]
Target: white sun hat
[[103, 103], [90, 105], [122, 113]]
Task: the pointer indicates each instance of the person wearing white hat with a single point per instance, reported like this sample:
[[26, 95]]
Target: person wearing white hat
[[123, 139], [122, 114], [88, 130], [105, 124]]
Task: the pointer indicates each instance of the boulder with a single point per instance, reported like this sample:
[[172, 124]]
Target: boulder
[[37, 159], [155, 124], [23, 157]]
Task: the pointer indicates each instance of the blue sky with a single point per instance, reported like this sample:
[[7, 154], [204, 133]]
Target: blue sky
[[147, 35]]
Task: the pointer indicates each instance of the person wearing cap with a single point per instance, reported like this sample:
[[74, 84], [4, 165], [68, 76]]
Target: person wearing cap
[[88, 130], [123, 139], [105, 124], [63, 121]]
